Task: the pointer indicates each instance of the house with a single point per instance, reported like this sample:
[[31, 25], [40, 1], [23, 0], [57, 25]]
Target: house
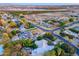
[[1, 28], [21, 28], [75, 29], [64, 19], [14, 19], [68, 32], [73, 15], [36, 33], [41, 43], [26, 51], [42, 48], [46, 25], [25, 35], [15, 38]]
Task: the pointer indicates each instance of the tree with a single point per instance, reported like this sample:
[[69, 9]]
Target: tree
[[7, 52], [6, 38], [49, 42], [68, 49], [62, 34], [54, 20], [58, 50], [18, 23], [27, 25], [49, 36], [70, 36], [77, 45], [30, 25], [21, 16], [55, 52], [50, 53], [40, 37], [73, 30], [2, 22], [17, 47], [14, 32], [54, 38], [34, 46], [27, 43], [62, 24], [50, 22], [12, 24], [23, 20], [71, 19]]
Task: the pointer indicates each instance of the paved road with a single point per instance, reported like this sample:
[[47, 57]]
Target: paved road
[[58, 36], [61, 38], [71, 24]]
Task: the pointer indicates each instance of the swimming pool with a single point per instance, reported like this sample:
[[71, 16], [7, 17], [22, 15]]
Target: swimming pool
[[1, 49]]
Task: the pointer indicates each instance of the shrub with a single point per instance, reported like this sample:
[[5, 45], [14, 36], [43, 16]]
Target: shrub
[[40, 37], [49, 36], [71, 19]]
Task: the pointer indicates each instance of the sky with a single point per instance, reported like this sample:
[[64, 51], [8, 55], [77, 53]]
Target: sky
[[38, 4]]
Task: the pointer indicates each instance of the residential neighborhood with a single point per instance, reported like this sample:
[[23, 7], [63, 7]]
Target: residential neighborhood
[[50, 31]]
